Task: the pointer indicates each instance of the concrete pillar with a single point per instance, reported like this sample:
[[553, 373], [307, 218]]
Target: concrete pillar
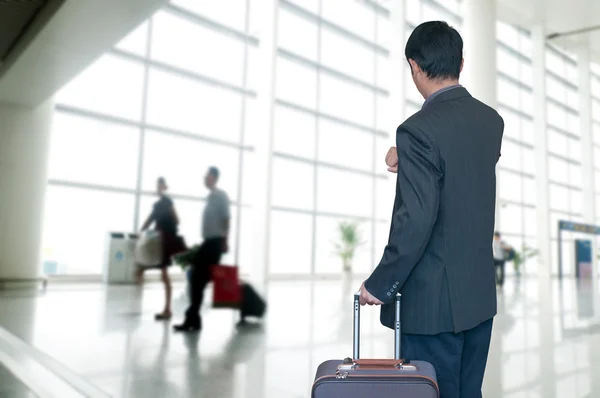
[[544, 282], [479, 36], [480, 74], [587, 144], [263, 144], [24, 144], [541, 151]]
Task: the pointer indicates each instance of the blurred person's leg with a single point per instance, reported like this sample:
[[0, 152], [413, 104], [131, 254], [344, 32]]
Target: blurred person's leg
[[166, 280], [501, 278], [209, 254]]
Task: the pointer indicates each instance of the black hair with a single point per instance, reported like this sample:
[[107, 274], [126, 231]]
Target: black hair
[[437, 48], [497, 234], [213, 171], [162, 181]]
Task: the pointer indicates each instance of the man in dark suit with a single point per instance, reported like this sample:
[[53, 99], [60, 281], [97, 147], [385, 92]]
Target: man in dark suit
[[439, 254]]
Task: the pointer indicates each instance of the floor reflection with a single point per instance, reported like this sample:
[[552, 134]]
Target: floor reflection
[[546, 340]]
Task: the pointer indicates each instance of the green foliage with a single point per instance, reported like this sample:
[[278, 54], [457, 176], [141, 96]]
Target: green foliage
[[349, 240], [522, 256]]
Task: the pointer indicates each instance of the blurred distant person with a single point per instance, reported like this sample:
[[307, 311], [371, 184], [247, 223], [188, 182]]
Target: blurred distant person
[[502, 253], [166, 221], [438, 254], [215, 231]]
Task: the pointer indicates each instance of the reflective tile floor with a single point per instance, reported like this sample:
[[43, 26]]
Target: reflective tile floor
[[546, 340]]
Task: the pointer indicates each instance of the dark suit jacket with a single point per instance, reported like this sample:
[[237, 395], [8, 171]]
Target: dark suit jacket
[[439, 254]]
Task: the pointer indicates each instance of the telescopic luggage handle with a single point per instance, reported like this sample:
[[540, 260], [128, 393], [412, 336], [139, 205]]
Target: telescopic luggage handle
[[356, 328]]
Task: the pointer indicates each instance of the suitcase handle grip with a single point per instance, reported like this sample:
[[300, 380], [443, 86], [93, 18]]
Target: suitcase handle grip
[[356, 327]]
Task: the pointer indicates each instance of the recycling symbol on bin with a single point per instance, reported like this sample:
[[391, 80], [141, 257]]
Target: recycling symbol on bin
[[119, 256]]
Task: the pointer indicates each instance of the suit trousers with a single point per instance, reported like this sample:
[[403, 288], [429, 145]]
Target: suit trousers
[[209, 254], [459, 359]]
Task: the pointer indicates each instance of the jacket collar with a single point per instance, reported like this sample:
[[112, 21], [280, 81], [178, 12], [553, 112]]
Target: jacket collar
[[455, 93]]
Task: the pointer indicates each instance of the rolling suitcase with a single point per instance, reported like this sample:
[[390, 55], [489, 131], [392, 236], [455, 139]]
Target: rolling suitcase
[[371, 378], [252, 303]]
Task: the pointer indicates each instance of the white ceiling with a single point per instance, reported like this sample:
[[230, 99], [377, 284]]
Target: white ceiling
[[557, 16], [78, 33]]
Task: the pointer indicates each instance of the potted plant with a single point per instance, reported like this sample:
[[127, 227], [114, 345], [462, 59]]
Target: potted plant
[[520, 257], [349, 240]]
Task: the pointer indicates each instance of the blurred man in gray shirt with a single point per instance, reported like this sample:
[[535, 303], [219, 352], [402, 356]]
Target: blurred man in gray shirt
[[215, 230]]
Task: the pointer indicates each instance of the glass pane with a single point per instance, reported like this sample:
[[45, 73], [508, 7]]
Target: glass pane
[[347, 56], [228, 12], [410, 89], [347, 101], [527, 131], [297, 34], [557, 116], [384, 199], [575, 175], [345, 13], [512, 123], [573, 99], [554, 62], [511, 219], [184, 162], [291, 243], [507, 34], [596, 110], [341, 192], [136, 41], [529, 161], [558, 170], [559, 198], [596, 132], [413, 12], [296, 83], [507, 63], [595, 86], [385, 32], [557, 142], [527, 74], [328, 235], [555, 89], [530, 221], [294, 132], [293, 184], [382, 234], [93, 152], [198, 49], [179, 103], [529, 191], [573, 124], [576, 201], [357, 146], [76, 222], [527, 102], [509, 186], [511, 155], [310, 5], [111, 85]]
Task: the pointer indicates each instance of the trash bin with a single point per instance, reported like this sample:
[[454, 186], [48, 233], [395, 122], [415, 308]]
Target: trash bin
[[119, 258]]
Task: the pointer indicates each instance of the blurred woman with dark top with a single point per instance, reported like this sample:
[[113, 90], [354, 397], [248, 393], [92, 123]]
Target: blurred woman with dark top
[[166, 222]]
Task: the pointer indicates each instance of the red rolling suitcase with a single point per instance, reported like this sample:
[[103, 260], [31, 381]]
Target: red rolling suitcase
[[372, 378]]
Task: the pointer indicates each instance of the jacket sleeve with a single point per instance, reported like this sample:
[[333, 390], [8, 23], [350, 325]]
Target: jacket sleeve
[[420, 171]]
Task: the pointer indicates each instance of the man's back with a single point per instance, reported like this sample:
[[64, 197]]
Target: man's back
[[452, 285]]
